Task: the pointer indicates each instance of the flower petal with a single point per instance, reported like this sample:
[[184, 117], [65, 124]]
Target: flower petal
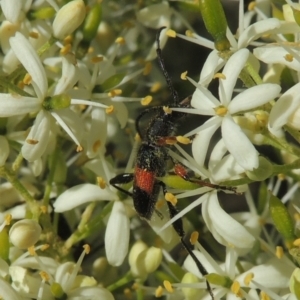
[[37, 139], [201, 142], [231, 71], [212, 65], [239, 145], [31, 62], [253, 32], [276, 55], [81, 194], [14, 105], [254, 97], [224, 228], [117, 235], [284, 107]]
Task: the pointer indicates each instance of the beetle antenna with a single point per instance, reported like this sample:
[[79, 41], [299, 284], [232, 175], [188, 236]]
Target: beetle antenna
[[164, 71]]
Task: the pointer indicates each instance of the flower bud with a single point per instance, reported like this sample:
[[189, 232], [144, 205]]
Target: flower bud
[[152, 259], [135, 259], [68, 19], [91, 22], [190, 293], [25, 233]]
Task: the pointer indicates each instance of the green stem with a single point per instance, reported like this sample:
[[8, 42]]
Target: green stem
[[17, 163], [15, 182], [93, 226], [252, 72], [127, 278], [53, 162]]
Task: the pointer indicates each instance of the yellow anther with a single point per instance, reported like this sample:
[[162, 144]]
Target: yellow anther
[[86, 248], [194, 237], [183, 75], [79, 148], [116, 92], [146, 100], [137, 137], [34, 35], [31, 141], [45, 247], [101, 182], [31, 250], [91, 50], [168, 286], [289, 57], [27, 79], [171, 198], [220, 76], [221, 111], [183, 140], [8, 219], [156, 86], [248, 278], [170, 141], [279, 251], [135, 286], [167, 109], [45, 276], [296, 242], [109, 110], [120, 40], [171, 33], [264, 296], [97, 59], [251, 5], [96, 145], [65, 49], [147, 68], [68, 39], [189, 33], [281, 176], [236, 288], [159, 291]]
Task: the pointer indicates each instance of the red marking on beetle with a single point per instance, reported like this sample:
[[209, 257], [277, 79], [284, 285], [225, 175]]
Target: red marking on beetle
[[144, 180]]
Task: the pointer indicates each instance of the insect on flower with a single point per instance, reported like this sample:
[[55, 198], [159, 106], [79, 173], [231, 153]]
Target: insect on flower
[[151, 162]]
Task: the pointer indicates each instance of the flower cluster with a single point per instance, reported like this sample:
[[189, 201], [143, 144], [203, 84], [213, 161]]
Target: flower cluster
[[73, 76]]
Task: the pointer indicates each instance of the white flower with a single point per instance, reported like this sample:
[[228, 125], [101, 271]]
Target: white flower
[[11, 105], [222, 111]]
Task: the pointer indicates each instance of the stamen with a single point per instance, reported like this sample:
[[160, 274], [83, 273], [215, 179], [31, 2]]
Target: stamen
[[296, 242], [79, 148], [220, 76], [68, 39], [27, 79], [31, 141], [279, 252], [236, 289], [251, 5], [289, 57], [168, 286], [96, 145], [97, 59], [159, 291], [146, 100], [194, 237], [116, 92], [109, 110], [101, 182], [171, 198], [171, 33], [147, 68], [183, 75], [221, 110], [155, 87], [65, 49], [183, 140], [167, 109], [120, 40], [34, 34], [248, 278]]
